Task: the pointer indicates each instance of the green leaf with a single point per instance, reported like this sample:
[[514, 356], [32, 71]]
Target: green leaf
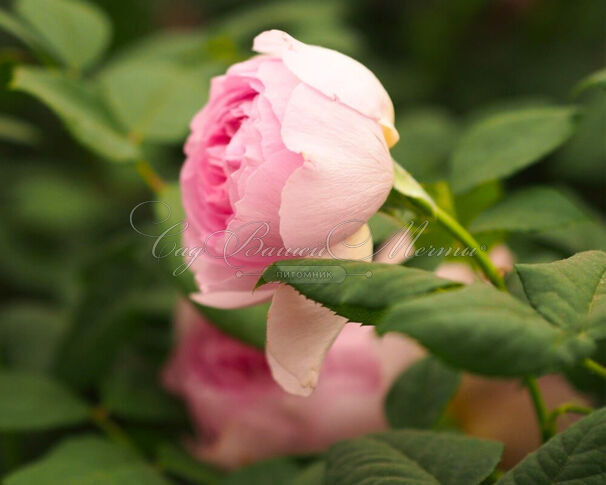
[[505, 105], [27, 266], [80, 109], [16, 27], [500, 145], [312, 475], [588, 381], [407, 191], [477, 200], [583, 236], [113, 308], [587, 234], [56, 203], [186, 48], [593, 81], [382, 227], [87, 460], [76, 32], [319, 23], [426, 235], [529, 210], [477, 328], [570, 293], [245, 324], [419, 395], [277, 470], [582, 159], [574, 457], [486, 331], [358, 291], [428, 136], [180, 464], [17, 131], [156, 100], [30, 334], [34, 402], [412, 458], [132, 391], [170, 218]]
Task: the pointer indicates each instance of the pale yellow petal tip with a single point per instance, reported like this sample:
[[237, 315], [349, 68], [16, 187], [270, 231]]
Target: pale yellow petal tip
[[390, 133]]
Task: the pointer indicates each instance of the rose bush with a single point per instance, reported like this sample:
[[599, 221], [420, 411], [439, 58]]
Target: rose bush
[[290, 157], [241, 415], [290, 148]]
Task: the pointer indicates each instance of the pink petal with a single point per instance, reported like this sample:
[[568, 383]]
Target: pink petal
[[260, 202], [211, 270], [396, 352], [300, 331], [336, 75], [231, 299], [502, 258], [278, 83], [299, 334], [347, 168]]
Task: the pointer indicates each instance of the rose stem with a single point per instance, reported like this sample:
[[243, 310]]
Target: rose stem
[[594, 367], [459, 232], [150, 177], [101, 418], [493, 274]]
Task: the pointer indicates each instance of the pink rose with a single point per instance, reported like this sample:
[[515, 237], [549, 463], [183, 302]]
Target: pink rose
[[242, 415], [288, 158]]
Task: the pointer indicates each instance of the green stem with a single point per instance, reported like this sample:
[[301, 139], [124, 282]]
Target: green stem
[[101, 418], [569, 407], [594, 367], [408, 189], [150, 177], [539, 407], [492, 273], [460, 233]]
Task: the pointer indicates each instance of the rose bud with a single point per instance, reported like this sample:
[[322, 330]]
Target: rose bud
[[288, 158], [242, 415]]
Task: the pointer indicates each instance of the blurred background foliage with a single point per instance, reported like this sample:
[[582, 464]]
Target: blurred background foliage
[[81, 294]]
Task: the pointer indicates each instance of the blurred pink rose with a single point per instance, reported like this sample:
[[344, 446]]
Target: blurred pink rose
[[242, 415], [500, 256], [291, 155]]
